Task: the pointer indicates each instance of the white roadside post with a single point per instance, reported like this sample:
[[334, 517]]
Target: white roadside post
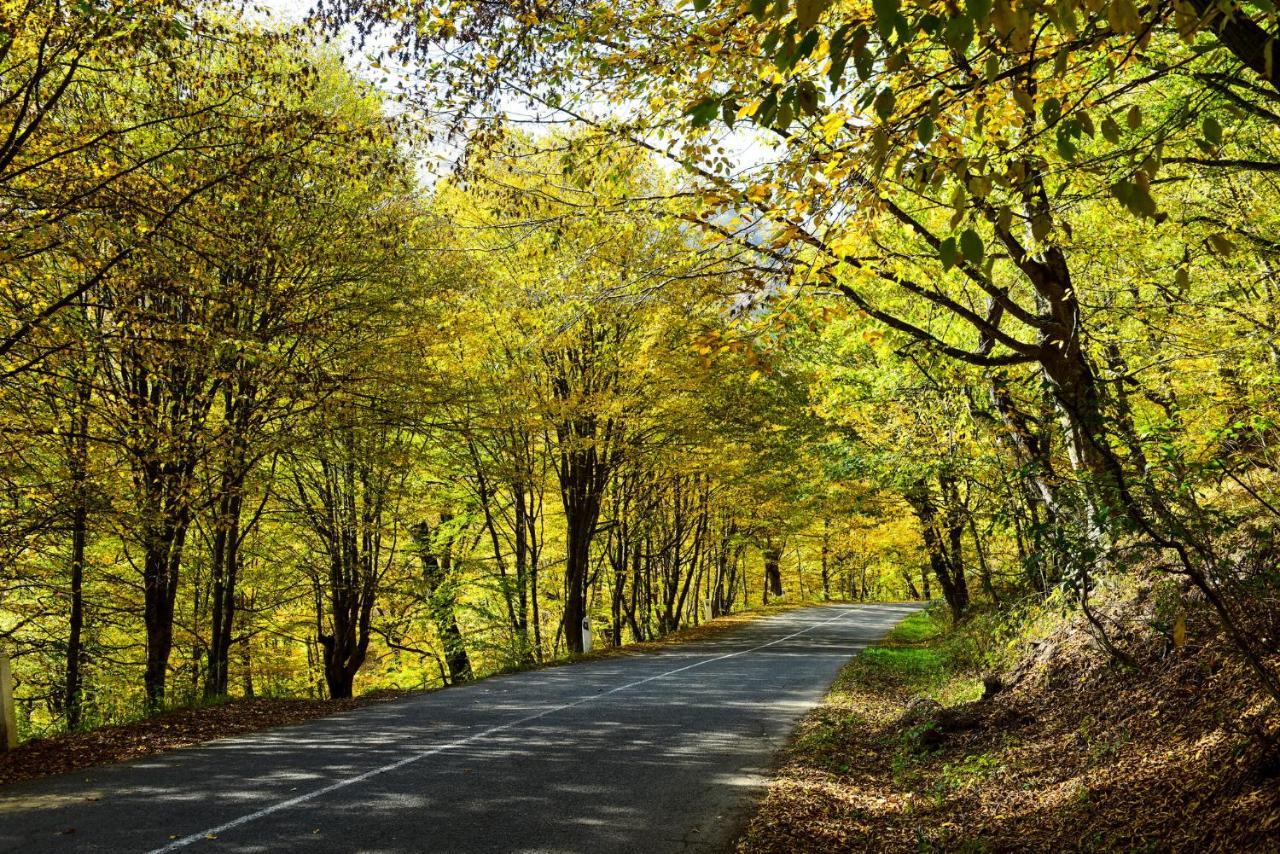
[[586, 634], [8, 720]]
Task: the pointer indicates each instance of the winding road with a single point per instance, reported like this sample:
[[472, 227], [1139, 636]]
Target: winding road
[[648, 753]]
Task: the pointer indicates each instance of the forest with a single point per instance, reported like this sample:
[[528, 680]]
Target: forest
[[379, 347]]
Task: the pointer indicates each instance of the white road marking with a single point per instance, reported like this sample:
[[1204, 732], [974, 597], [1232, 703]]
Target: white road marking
[[409, 760]]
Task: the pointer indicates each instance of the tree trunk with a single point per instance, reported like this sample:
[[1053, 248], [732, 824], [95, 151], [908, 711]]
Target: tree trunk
[[912, 590], [826, 552], [772, 572], [942, 532], [246, 666], [437, 564], [225, 566], [161, 562], [79, 458]]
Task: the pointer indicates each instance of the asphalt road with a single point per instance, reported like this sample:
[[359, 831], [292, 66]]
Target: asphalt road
[[646, 753]]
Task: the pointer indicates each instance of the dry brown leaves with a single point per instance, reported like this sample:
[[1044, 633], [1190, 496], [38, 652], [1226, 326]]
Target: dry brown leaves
[[1081, 756]]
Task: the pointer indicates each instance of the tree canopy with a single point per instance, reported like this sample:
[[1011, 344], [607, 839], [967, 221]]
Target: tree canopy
[[321, 374]]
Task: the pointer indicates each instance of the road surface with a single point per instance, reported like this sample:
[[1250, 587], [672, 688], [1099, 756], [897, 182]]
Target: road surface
[[647, 753]]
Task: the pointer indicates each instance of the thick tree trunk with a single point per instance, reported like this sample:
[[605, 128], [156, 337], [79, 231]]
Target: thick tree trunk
[[583, 478], [618, 560], [718, 585], [942, 531], [339, 672], [575, 585], [162, 560], [345, 649]]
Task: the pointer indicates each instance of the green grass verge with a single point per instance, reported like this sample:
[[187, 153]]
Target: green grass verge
[[919, 657]]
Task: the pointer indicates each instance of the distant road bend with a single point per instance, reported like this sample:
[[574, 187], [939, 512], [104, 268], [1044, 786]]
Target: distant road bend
[[645, 753]]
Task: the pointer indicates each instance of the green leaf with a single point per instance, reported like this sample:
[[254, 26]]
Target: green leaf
[[729, 112], [971, 246], [978, 10], [1051, 111], [947, 252], [993, 67], [1040, 226], [837, 49], [1066, 148], [903, 27], [786, 112], [1060, 60], [1110, 130], [1135, 196], [1133, 118], [785, 55], [807, 97], [770, 42], [1212, 130], [1123, 16], [766, 111], [807, 44], [701, 5], [809, 11], [1086, 123], [703, 111], [884, 104], [960, 33], [863, 62], [835, 73], [886, 12], [924, 130]]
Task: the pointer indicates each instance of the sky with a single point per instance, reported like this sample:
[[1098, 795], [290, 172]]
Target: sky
[[289, 10], [747, 148]]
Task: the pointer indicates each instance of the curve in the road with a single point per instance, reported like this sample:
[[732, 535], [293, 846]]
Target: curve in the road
[[622, 754]]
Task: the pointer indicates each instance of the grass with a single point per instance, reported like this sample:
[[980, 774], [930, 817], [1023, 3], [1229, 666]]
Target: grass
[[918, 657]]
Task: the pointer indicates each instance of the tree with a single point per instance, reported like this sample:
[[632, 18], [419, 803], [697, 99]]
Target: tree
[[349, 483]]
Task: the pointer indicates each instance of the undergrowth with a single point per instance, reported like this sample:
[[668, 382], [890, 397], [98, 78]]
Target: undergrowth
[[1073, 752]]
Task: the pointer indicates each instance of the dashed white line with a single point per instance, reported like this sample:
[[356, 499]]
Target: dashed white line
[[409, 760]]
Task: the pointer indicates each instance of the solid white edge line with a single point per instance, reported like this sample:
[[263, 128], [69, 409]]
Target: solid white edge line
[[408, 760]]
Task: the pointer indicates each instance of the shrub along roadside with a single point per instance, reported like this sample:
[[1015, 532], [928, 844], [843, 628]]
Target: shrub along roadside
[[1072, 753]]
